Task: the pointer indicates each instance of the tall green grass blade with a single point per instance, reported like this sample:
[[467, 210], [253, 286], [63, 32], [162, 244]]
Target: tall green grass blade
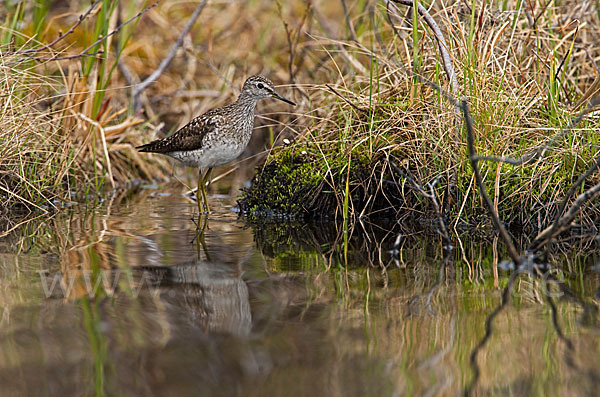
[[12, 25], [416, 54], [40, 12]]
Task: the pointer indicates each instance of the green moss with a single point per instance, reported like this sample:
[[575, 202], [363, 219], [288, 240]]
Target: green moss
[[281, 188], [298, 182]]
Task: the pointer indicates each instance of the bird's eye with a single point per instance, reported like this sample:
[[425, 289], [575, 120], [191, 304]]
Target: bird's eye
[[260, 86]]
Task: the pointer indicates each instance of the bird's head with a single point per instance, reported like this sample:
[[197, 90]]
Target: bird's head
[[261, 87]]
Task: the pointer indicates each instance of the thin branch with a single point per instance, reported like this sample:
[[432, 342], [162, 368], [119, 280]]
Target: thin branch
[[448, 96], [482, 190], [61, 58], [595, 165], [345, 99], [349, 22], [81, 18], [139, 88], [288, 34], [530, 157], [396, 9], [443, 47], [293, 44], [85, 52], [118, 28], [563, 223], [538, 153]]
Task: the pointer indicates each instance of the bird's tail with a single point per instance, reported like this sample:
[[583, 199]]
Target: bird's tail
[[157, 146], [143, 148], [149, 147]]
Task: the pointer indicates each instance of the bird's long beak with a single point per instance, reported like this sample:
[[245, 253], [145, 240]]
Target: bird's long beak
[[276, 95]]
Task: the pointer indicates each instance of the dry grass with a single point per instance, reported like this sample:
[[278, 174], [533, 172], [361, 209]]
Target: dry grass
[[53, 152], [32, 166]]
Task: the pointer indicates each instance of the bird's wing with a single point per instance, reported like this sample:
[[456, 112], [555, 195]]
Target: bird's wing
[[189, 137]]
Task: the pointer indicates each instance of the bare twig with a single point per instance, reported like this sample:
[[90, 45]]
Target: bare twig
[[443, 47], [595, 165], [482, 190], [388, 6], [60, 58], [118, 28], [127, 74], [345, 99], [85, 52], [293, 43], [452, 98], [563, 223], [61, 36], [139, 88], [539, 152], [349, 22]]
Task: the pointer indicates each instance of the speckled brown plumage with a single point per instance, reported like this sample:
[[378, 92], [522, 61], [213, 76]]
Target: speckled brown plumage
[[219, 135]]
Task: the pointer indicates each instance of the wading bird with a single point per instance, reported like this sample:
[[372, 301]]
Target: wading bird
[[218, 136]]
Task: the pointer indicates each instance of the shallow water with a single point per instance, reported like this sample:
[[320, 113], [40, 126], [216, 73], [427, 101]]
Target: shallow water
[[128, 299]]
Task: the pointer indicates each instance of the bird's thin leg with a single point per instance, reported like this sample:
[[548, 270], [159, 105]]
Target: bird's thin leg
[[201, 195], [200, 191], [205, 184], [201, 239]]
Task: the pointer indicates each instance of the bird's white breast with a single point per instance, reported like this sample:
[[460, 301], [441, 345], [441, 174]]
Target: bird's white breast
[[209, 157]]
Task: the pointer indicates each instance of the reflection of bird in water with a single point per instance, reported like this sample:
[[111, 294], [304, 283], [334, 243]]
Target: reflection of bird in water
[[210, 296], [218, 136]]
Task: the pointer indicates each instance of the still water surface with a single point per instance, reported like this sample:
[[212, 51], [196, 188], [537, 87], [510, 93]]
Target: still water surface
[[127, 299]]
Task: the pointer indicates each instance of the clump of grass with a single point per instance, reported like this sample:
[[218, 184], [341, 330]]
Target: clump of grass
[[36, 162], [63, 134], [51, 151], [520, 79]]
